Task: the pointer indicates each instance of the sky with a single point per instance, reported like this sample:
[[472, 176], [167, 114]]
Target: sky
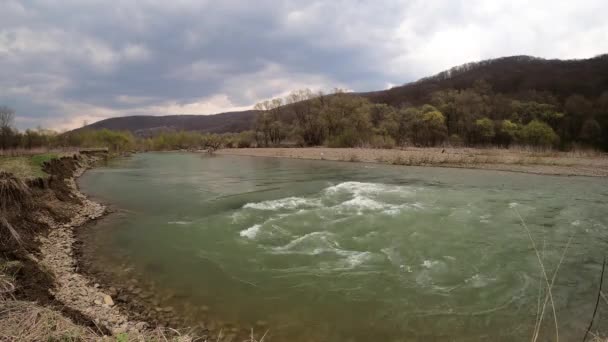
[[66, 62]]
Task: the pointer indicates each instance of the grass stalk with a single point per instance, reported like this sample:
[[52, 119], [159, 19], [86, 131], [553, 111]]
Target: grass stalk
[[544, 272]]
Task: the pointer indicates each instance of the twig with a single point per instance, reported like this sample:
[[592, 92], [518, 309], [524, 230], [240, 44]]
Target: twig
[[263, 336], [561, 260], [540, 290], [542, 267], [597, 302]]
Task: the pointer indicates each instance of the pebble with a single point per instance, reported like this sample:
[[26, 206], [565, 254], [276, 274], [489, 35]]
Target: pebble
[[108, 300]]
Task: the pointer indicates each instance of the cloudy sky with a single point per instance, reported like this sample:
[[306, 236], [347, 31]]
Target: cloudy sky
[[63, 62]]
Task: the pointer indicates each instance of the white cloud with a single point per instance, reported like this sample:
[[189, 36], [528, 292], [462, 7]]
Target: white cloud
[[135, 52], [210, 105], [549, 29]]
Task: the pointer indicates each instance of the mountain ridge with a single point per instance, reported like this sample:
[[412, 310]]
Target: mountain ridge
[[509, 75]]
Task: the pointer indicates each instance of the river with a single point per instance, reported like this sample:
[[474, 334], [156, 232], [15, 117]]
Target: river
[[339, 251]]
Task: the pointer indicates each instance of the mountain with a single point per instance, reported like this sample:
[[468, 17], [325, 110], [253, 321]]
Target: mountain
[[512, 76], [144, 125]]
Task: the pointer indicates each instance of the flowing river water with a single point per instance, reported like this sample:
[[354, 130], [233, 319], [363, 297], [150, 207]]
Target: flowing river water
[[338, 251]]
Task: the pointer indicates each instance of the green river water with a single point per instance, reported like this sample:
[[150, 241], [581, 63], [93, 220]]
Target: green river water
[[338, 251]]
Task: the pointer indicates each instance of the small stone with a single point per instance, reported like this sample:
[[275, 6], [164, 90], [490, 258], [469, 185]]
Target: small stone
[[97, 301], [108, 300], [96, 286]]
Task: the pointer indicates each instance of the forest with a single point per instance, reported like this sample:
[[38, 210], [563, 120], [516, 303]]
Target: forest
[[520, 100], [475, 116]]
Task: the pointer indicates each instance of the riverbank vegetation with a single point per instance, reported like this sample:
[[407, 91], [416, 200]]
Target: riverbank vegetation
[[467, 106], [472, 117]]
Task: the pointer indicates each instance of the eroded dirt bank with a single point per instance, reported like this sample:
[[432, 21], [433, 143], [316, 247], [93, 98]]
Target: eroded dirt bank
[[38, 221], [548, 163]]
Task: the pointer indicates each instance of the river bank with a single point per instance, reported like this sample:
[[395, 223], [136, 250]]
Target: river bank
[[44, 296], [547, 163]]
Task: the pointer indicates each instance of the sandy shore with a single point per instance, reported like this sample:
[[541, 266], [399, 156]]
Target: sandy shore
[[547, 163]]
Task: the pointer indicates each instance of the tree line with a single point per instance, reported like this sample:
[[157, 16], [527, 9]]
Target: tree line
[[115, 141], [475, 116]]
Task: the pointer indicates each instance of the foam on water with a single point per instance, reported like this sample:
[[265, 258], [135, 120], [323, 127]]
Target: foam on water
[[363, 203], [288, 203], [478, 281], [251, 232], [317, 243], [310, 244], [366, 189], [181, 223]]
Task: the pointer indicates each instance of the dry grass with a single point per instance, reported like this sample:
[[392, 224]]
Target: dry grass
[[14, 193], [22, 321], [25, 321], [25, 166], [596, 337], [579, 162], [546, 278], [19, 166], [28, 164], [18, 152]]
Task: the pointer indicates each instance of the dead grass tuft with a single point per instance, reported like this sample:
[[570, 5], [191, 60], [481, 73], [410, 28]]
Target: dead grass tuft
[[14, 193], [25, 321]]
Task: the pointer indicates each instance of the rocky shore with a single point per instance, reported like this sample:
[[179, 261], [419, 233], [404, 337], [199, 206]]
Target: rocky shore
[[42, 214], [71, 288]]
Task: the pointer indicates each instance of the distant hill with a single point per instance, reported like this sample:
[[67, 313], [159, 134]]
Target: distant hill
[[145, 125], [508, 75]]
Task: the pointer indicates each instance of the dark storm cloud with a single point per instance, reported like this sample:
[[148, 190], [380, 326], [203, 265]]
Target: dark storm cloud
[[62, 62]]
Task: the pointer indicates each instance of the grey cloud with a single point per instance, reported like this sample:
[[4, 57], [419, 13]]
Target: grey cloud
[[61, 61]]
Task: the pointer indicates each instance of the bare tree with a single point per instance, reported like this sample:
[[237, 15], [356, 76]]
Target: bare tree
[[7, 117], [268, 126]]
